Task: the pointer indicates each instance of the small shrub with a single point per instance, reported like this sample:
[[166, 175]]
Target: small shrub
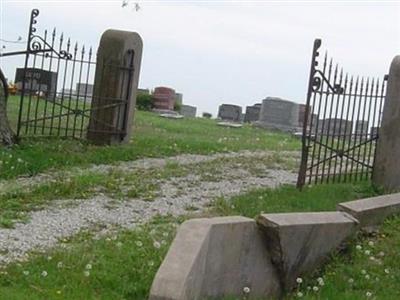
[[144, 102]]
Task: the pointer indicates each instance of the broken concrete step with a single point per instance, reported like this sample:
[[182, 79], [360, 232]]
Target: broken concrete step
[[300, 242]]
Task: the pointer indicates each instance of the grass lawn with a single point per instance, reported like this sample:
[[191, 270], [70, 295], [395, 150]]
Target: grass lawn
[[122, 265], [153, 137]]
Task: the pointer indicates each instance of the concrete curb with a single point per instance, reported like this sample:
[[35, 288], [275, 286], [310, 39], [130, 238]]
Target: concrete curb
[[235, 256]]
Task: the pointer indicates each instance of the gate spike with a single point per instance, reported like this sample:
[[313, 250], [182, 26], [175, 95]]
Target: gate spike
[[76, 46], [83, 50], [325, 59]]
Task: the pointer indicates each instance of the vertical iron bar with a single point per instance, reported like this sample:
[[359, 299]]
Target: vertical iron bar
[[329, 128], [304, 154], [342, 133], [359, 100], [70, 90], [365, 95], [55, 91], [323, 123], [321, 90], [373, 139], [365, 160], [32, 29], [348, 131], [40, 87], [87, 81], [63, 89], [78, 90]]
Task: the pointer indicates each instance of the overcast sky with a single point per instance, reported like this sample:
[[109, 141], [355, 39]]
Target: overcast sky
[[224, 51]]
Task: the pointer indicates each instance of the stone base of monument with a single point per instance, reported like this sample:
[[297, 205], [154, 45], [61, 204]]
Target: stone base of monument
[[170, 116], [239, 257], [278, 127], [230, 124]]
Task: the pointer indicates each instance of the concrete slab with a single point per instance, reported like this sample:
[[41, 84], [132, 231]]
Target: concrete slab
[[214, 258], [300, 242], [373, 211]]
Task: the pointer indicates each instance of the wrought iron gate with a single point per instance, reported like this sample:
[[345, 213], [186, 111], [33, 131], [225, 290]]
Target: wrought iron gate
[[341, 124], [56, 87]]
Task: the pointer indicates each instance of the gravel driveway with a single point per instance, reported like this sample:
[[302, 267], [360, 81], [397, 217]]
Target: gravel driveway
[[176, 196]]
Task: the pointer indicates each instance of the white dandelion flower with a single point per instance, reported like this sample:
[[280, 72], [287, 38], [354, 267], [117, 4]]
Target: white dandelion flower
[[299, 280], [44, 273], [246, 290], [156, 245], [315, 289], [88, 267]]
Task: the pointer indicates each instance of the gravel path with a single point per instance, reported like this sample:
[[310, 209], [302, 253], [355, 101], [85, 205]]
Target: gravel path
[[177, 196]]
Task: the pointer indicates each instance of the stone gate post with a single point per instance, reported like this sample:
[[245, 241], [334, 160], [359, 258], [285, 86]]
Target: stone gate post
[[387, 161], [115, 87]]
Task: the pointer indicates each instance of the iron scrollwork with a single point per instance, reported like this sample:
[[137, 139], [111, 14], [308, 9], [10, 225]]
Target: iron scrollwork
[[317, 80], [37, 44]]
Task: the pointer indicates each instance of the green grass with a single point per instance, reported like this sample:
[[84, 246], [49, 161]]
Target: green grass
[[370, 269], [123, 270], [120, 266], [290, 199], [153, 137], [16, 203]]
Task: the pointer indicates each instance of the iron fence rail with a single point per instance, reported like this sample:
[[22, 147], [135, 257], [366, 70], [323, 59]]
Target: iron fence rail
[[341, 126]]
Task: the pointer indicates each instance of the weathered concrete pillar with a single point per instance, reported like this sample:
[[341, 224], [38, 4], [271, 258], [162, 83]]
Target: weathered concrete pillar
[[115, 87], [387, 162]]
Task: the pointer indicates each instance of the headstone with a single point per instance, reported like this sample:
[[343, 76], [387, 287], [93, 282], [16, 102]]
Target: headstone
[[164, 98], [340, 128], [115, 87], [84, 91], [252, 113], [230, 112], [36, 80], [277, 113], [361, 130], [374, 132], [386, 171], [188, 111], [178, 98]]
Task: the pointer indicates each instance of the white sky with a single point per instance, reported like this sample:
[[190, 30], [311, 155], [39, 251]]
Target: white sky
[[224, 51]]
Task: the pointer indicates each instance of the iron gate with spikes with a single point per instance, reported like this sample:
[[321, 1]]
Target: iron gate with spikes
[[341, 124], [56, 87]]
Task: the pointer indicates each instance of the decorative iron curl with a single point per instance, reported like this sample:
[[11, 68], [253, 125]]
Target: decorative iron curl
[[316, 83], [37, 44], [64, 54]]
